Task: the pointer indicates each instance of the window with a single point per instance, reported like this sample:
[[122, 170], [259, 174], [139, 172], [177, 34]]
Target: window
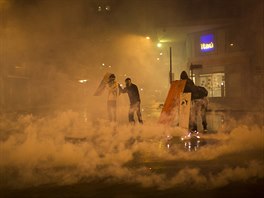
[[214, 83]]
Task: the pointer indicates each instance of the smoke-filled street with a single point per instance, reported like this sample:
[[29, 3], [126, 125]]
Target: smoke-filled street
[[131, 98], [64, 156]]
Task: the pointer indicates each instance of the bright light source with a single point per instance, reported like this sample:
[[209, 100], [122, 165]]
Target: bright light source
[[108, 8], [158, 59], [109, 66], [99, 9], [231, 44], [159, 45], [103, 64], [161, 53], [18, 67], [82, 81], [147, 37], [141, 89]]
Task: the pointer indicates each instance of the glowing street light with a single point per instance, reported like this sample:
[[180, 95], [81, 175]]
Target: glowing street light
[[107, 8], [82, 81], [159, 45], [147, 37]]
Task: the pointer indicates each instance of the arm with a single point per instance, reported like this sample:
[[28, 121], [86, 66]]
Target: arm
[[121, 90], [137, 93]]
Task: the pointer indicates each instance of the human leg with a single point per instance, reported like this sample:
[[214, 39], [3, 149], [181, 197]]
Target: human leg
[[192, 120], [203, 113], [111, 109], [139, 115], [131, 114], [195, 106]]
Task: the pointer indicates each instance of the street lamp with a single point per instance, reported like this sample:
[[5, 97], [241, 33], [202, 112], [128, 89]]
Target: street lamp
[[82, 81], [171, 74], [159, 45]]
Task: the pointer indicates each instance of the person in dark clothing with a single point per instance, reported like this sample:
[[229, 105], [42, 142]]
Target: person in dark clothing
[[134, 98], [204, 105], [199, 103], [189, 86]]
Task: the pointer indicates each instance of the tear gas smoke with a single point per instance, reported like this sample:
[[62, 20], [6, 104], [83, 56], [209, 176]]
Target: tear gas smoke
[[36, 151], [50, 46]]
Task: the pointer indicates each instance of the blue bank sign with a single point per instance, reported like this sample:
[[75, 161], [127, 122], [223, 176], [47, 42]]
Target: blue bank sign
[[207, 43]]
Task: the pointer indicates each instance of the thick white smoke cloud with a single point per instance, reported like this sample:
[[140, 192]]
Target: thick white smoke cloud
[[65, 149], [53, 44], [58, 43]]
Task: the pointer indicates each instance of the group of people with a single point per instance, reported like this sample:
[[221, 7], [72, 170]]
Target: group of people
[[198, 97], [132, 90]]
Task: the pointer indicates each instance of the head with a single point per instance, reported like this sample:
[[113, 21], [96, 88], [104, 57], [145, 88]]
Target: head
[[111, 78], [128, 82], [184, 75]]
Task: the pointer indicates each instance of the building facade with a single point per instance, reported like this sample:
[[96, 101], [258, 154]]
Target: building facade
[[223, 55]]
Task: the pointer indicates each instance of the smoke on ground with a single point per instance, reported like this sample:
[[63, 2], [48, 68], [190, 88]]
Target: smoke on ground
[[65, 148]]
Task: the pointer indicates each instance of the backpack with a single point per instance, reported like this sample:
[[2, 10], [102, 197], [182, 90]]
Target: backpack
[[200, 92]]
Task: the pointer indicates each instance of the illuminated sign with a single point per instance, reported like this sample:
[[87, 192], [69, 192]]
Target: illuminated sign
[[207, 43]]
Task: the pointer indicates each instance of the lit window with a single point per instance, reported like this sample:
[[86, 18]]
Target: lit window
[[214, 83]]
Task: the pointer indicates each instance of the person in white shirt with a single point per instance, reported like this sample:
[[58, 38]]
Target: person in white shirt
[[113, 92]]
